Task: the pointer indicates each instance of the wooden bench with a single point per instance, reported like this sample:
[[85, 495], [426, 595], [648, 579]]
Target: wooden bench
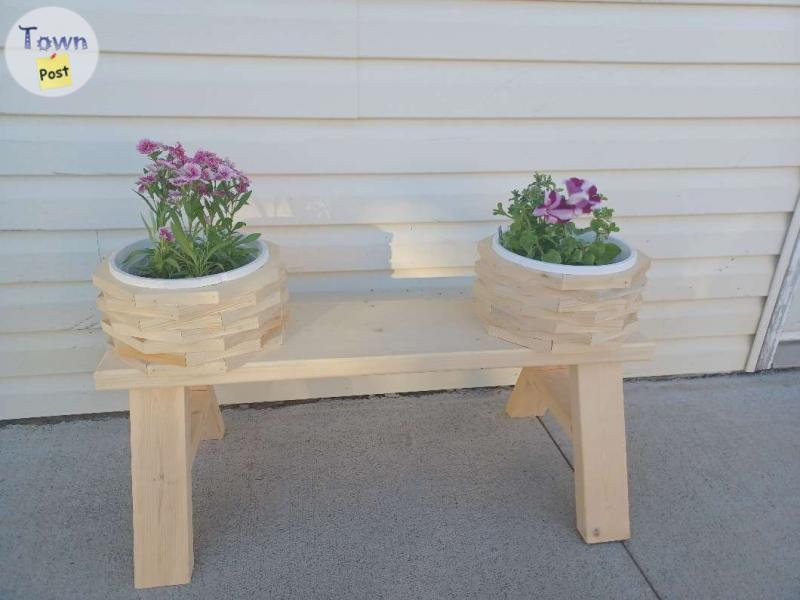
[[171, 413]]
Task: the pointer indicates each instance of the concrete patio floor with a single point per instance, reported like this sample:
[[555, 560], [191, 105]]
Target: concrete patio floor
[[426, 496]]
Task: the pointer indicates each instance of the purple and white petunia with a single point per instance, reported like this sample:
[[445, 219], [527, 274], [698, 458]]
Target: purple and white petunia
[[582, 194], [555, 208]]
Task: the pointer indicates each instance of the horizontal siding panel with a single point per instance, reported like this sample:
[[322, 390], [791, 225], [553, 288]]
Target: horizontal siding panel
[[311, 88], [700, 278], [497, 30], [46, 256], [47, 307], [107, 202], [50, 353], [700, 318], [346, 247], [229, 87], [619, 32], [46, 395], [80, 146], [694, 356], [72, 256], [458, 89], [275, 28]]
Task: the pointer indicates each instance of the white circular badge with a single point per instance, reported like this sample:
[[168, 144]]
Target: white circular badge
[[51, 51]]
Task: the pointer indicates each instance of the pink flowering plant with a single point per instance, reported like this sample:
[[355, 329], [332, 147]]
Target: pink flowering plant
[[192, 225], [543, 223]]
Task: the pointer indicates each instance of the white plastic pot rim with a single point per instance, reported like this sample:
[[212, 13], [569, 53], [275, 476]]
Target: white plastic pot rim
[[624, 261], [116, 259]]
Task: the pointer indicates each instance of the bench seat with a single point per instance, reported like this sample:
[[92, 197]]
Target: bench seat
[[378, 334]]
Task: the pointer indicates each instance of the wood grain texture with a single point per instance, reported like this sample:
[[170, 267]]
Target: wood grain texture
[[556, 313], [600, 461], [541, 390], [224, 324], [343, 336], [161, 462], [205, 416]]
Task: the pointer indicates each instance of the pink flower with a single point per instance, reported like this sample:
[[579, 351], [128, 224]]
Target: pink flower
[[191, 171], [582, 194], [206, 158], [173, 196], [176, 155], [243, 185], [146, 180], [224, 172], [555, 209], [166, 234], [146, 146]]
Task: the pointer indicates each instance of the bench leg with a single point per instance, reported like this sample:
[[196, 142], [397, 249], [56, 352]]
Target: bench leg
[[598, 441], [161, 462]]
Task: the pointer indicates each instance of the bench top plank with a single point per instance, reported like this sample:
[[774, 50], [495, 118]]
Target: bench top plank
[[343, 336]]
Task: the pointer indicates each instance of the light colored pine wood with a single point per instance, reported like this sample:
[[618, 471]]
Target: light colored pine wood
[[598, 441], [343, 336], [556, 313], [216, 324], [539, 390], [527, 398], [206, 418], [161, 485]]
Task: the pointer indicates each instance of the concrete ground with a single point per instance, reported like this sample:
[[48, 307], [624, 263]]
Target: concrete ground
[[429, 496]]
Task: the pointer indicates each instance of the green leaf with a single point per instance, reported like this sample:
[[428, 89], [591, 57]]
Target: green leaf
[[552, 256]]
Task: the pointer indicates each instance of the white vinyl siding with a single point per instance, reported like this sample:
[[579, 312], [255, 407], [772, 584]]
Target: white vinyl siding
[[379, 136]]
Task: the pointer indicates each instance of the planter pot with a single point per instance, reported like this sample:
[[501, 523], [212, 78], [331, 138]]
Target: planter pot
[[207, 324], [558, 308]]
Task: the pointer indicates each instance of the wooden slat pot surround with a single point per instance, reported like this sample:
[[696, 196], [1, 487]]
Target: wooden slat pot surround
[[557, 313], [212, 328]]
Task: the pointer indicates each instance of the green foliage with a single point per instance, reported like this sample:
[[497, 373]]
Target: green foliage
[[561, 243], [192, 224]]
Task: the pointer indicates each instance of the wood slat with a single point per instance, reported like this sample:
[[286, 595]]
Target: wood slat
[[77, 145], [107, 202], [364, 335]]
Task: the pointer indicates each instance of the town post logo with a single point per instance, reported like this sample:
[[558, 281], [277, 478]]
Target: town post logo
[[51, 51]]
